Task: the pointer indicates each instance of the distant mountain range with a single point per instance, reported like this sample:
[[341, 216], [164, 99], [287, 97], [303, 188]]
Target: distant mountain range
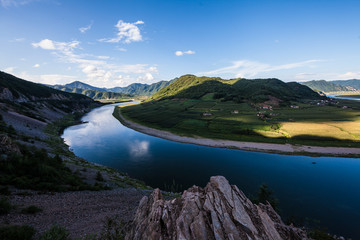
[[135, 89], [92, 93], [333, 86]]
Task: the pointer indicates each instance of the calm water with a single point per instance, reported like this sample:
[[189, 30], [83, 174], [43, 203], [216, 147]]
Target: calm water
[[328, 191]]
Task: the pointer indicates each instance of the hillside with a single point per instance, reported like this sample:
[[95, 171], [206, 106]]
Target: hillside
[[13, 88], [325, 86], [94, 94], [135, 89], [81, 85], [257, 90], [354, 83], [140, 89], [260, 110]]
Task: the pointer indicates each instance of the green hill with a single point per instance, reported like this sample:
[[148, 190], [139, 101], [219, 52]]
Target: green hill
[[257, 90], [94, 94], [81, 85], [140, 89], [22, 90], [354, 83], [325, 86]]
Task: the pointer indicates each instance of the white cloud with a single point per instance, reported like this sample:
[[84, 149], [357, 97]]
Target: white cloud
[[121, 49], [248, 69], [36, 65], [103, 57], [85, 29], [127, 33], [181, 53], [97, 69], [66, 47], [44, 44], [139, 148], [9, 69], [350, 75]]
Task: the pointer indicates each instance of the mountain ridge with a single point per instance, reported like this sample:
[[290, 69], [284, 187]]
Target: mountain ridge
[[257, 90]]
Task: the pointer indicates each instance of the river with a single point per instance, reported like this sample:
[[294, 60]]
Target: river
[[323, 189]]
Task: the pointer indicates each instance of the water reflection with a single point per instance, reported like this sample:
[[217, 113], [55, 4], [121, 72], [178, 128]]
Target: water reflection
[[326, 191], [139, 149]]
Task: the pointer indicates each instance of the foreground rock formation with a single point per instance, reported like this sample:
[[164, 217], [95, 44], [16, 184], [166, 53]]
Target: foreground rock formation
[[219, 211]]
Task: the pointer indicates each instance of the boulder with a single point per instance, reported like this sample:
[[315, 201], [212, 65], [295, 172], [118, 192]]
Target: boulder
[[219, 211]]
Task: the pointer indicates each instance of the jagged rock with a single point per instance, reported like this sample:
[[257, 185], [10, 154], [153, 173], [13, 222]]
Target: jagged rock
[[219, 211]]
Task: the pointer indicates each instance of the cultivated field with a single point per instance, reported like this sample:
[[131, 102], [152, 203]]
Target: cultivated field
[[312, 123]]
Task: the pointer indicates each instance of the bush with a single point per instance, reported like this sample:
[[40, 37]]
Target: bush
[[31, 210], [5, 206], [320, 234], [265, 195], [17, 232], [55, 233], [99, 177]]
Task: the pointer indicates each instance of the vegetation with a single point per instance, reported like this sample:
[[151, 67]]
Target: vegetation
[[35, 169], [325, 86], [19, 87], [135, 89], [31, 210], [328, 124], [139, 89], [113, 229], [15, 232], [354, 83], [320, 234], [237, 90], [95, 94], [265, 195], [56, 233], [5, 206]]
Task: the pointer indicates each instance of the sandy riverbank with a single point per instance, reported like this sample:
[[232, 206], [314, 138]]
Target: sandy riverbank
[[248, 146]]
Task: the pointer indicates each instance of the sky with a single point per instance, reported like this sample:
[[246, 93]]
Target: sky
[[116, 43]]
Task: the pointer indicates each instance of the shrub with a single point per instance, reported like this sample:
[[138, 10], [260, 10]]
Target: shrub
[[99, 177], [17, 232], [55, 233], [5, 206], [31, 210]]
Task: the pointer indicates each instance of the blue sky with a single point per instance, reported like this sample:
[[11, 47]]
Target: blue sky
[[116, 43]]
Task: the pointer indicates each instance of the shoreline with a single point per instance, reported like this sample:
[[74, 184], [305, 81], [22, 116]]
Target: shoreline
[[287, 149]]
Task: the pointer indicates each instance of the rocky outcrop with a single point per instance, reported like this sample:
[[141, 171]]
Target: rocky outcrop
[[219, 211]]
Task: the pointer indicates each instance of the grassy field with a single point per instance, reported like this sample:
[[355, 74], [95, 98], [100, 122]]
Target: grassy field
[[310, 124]]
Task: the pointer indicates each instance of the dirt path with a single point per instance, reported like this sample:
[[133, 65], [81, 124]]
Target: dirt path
[[249, 146]]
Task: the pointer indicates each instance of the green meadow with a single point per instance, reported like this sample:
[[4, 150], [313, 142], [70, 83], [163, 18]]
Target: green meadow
[[309, 124]]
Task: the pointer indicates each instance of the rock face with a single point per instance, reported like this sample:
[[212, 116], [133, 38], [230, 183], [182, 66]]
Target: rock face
[[219, 211]]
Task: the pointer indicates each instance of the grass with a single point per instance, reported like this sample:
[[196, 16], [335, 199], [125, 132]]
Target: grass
[[310, 124]]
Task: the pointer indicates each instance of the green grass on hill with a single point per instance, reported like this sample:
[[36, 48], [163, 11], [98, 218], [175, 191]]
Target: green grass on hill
[[309, 124]]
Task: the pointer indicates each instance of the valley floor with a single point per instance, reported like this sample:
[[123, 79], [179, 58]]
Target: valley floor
[[248, 146]]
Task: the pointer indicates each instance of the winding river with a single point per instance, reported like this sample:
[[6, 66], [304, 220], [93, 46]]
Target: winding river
[[323, 189]]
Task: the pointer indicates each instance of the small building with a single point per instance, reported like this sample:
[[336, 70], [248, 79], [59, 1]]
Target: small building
[[206, 114], [235, 112], [294, 106]]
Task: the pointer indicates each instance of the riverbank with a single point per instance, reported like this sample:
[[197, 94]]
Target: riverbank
[[247, 146]]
